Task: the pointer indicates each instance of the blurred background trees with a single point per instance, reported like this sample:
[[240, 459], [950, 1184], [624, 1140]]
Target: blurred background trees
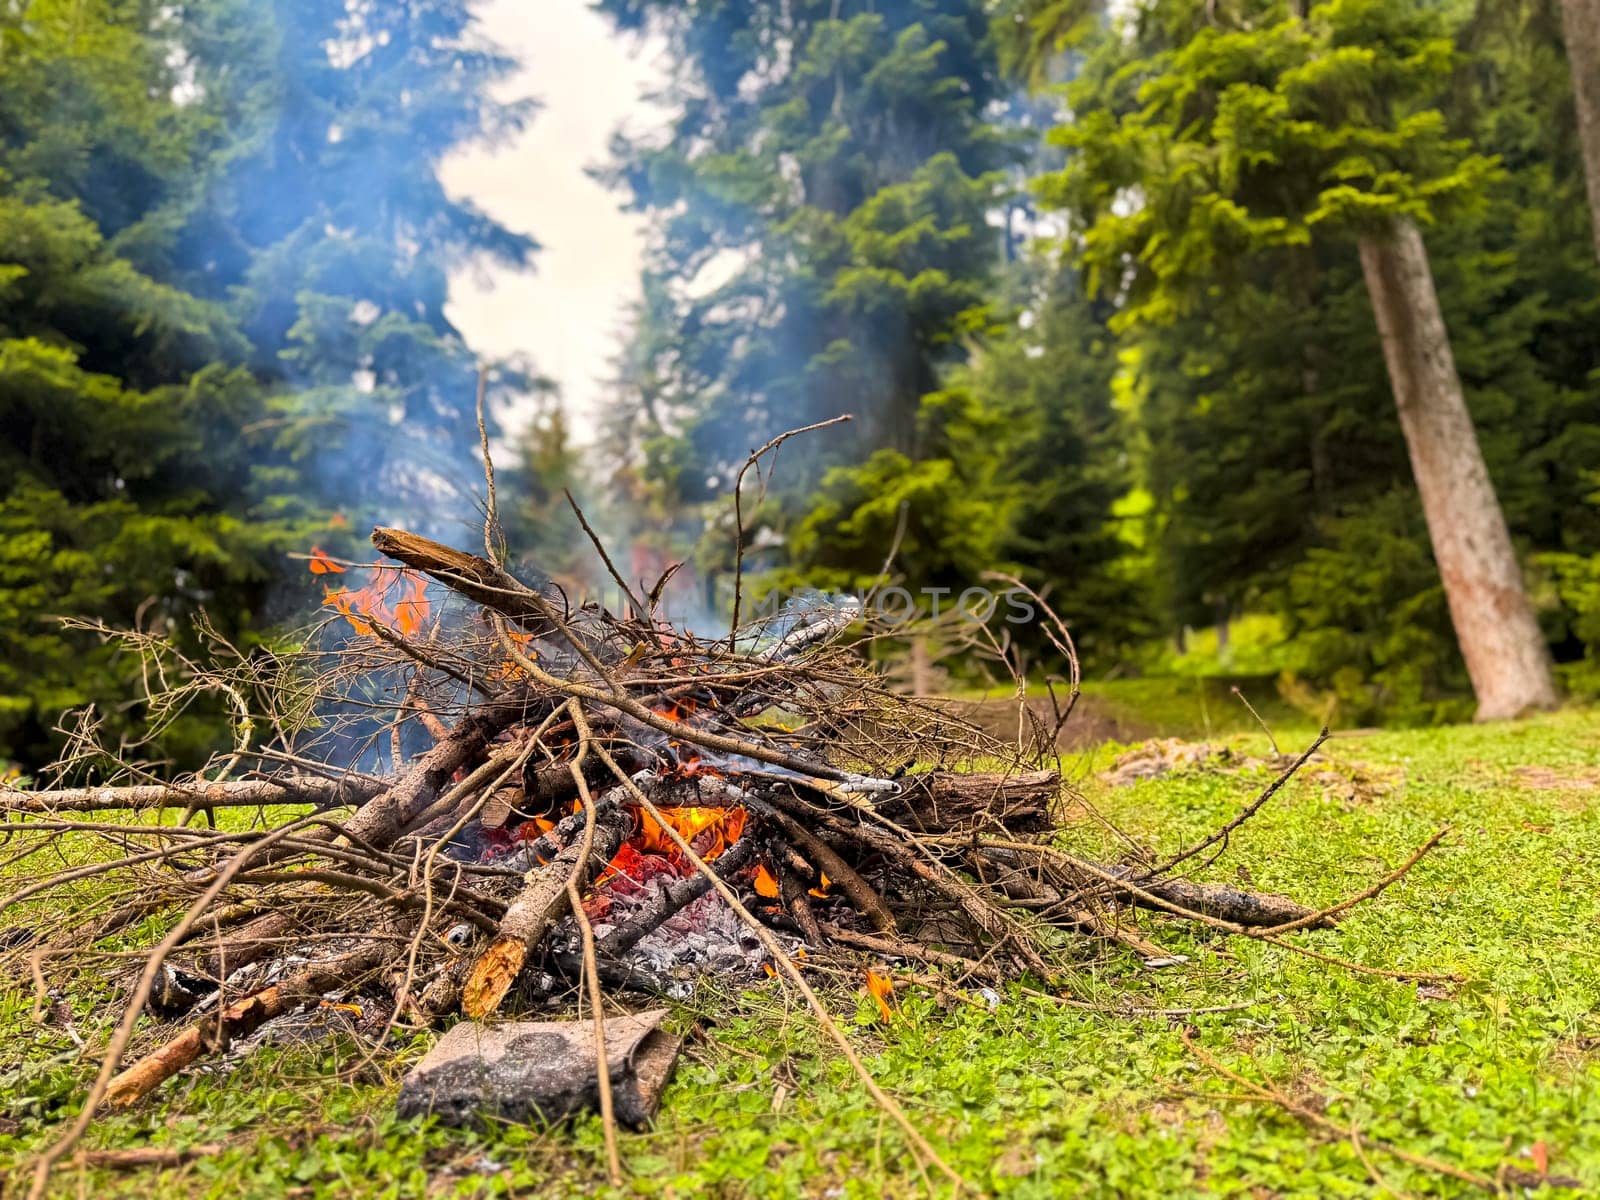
[[223, 258], [1089, 276]]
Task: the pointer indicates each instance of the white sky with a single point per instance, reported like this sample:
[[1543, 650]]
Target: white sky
[[567, 312]]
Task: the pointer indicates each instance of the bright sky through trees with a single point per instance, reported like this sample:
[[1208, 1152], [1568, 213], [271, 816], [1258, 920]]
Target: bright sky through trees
[[567, 313]]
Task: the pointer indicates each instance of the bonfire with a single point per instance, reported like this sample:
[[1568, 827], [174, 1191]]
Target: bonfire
[[472, 797]]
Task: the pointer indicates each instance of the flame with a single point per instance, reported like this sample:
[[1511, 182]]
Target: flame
[[766, 883], [321, 564], [821, 890], [509, 668], [881, 988], [363, 607], [718, 828]]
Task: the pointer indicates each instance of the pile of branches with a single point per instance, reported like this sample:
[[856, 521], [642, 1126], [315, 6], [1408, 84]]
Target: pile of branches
[[437, 837]]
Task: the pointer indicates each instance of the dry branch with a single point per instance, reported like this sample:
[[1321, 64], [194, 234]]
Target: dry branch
[[474, 577], [245, 793]]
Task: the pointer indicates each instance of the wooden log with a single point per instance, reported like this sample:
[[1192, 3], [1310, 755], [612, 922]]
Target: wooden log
[[473, 576], [542, 901], [381, 820], [942, 801], [214, 1033], [246, 793], [1260, 909]]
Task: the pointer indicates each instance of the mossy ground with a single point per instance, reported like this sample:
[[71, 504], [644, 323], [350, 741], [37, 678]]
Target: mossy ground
[[1033, 1098]]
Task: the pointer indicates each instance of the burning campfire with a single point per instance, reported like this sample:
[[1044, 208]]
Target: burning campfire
[[475, 797]]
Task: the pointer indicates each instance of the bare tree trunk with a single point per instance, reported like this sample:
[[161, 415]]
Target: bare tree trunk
[[1580, 24], [1495, 627]]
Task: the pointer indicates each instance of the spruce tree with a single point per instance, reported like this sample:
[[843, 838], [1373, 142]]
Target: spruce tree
[[820, 239]]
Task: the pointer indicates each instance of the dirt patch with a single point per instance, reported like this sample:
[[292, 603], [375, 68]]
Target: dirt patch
[[1551, 779]]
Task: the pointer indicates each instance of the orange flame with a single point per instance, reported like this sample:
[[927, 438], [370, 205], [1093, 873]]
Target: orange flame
[[364, 606], [509, 668], [321, 564], [881, 988], [766, 883], [722, 826]]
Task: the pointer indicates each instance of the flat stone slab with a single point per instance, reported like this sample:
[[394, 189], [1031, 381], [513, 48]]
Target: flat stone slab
[[541, 1071]]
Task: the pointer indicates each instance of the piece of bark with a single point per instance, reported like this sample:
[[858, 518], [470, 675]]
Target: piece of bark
[[215, 1033], [246, 793], [542, 901], [541, 1071], [473, 576]]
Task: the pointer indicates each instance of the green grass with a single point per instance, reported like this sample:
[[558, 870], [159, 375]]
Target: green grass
[[1035, 1099]]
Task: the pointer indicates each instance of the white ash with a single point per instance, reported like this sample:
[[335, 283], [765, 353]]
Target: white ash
[[705, 938]]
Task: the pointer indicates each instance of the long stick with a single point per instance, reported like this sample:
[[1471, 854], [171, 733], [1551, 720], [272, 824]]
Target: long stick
[[247, 793]]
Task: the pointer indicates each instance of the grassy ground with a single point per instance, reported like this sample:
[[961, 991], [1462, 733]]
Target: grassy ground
[[1032, 1098]]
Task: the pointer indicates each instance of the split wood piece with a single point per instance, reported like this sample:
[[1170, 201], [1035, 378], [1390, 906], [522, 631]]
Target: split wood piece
[[940, 801], [473, 576], [213, 1034], [380, 821], [542, 902], [247, 793], [673, 899]]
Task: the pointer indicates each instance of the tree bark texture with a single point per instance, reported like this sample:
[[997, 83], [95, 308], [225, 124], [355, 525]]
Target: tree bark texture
[[1580, 25], [1495, 627]]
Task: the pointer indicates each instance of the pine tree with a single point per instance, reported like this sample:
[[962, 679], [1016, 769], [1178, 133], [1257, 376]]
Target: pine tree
[[325, 223], [124, 486], [224, 252]]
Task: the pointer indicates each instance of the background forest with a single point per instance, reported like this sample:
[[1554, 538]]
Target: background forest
[[1097, 282]]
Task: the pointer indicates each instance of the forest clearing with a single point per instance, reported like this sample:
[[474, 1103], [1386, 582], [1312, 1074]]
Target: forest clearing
[[799, 597]]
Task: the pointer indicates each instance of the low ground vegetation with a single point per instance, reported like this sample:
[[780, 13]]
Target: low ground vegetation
[[1494, 1072]]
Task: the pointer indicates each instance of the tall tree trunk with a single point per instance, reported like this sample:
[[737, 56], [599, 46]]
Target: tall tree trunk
[[1580, 23], [1506, 655]]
